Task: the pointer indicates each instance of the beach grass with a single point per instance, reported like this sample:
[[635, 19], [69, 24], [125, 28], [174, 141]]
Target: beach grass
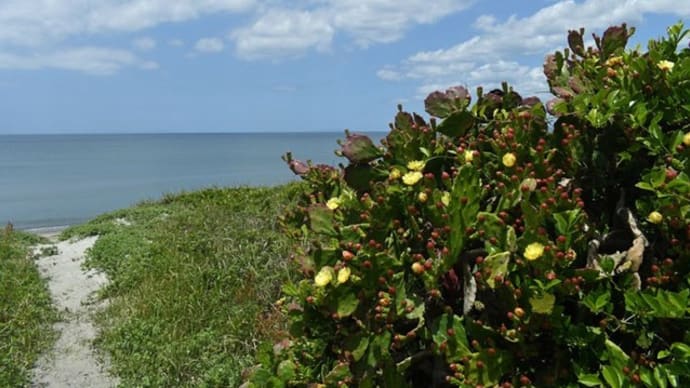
[[26, 311], [193, 278]]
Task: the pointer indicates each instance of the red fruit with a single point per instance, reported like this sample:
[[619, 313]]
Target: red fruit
[[445, 175], [524, 380], [347, 255], [635, 378]]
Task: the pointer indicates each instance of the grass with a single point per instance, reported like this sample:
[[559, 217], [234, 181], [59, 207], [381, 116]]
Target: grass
[[193, 280], [26, 311]]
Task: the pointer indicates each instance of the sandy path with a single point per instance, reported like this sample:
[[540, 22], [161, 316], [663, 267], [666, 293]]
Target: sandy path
[[72, 362]]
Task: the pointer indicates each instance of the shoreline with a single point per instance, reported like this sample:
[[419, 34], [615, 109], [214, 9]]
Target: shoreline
[[49, 232]]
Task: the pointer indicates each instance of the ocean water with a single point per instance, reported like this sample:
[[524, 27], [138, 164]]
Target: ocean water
[[54, 180]]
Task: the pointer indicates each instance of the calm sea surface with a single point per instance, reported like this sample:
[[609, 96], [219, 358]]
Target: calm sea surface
[[52, 180]]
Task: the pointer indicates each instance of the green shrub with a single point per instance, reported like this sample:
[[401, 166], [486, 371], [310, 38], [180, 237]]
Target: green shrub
[[498, 245]]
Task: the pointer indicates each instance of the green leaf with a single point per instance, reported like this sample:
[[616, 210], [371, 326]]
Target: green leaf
[[457, 124], [347, 304], [466, 187], [616, 355], [589, 380], [321, 220], [286, 370], [612, 376], [357, 345], [659, 304], [378, 349], [511, 239], [597, 301], [542, 304], [498, 263], [456, 344], [338, 373]]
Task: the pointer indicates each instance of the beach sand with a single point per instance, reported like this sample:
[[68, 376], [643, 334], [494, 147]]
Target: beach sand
[[72, 361]]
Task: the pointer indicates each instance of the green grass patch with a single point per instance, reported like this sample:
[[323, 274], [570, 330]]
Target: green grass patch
[[26, 311], [193, 280]]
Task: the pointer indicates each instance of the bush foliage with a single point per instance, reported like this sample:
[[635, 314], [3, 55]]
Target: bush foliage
[[496, 244]]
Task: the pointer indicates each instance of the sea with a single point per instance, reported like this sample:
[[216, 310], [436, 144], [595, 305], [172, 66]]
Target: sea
[[49, 181]]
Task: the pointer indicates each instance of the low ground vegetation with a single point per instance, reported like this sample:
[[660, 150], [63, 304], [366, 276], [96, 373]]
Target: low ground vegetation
[[26, 312], [193, 278]]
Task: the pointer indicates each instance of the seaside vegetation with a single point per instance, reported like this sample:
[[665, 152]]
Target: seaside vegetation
[[497, 245], [193, 279], [26, 310]]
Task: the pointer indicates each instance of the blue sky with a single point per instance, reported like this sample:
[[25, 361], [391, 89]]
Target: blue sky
[[112, 66]]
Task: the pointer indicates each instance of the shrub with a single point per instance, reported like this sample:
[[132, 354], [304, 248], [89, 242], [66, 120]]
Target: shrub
[[498, 245]]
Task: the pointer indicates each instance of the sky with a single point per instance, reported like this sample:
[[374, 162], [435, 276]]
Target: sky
[[130, 66]]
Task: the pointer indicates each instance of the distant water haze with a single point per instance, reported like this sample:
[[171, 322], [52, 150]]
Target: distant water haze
[[53, 180]]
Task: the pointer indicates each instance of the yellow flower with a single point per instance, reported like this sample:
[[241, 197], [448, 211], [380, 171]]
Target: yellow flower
[[416, 165], [422, 197], [324, 277], [445, 198], [533, 251], [665, 65], [333, 203], [613, 61], [686, 139], [509, 159], [655, 217], [469, 156], [394, 174], [412, 177], [344, 275]]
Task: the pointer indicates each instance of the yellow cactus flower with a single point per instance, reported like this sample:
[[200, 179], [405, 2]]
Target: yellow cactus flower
[[445, 198], [655, 217], [686, 139], [412, 177], [333, 203], [324, 277], [509, 159], [394, 174], [665, 65], [614, 61], [534, 251], [416, 165], [344, 275], [469, 156], [422, 197]]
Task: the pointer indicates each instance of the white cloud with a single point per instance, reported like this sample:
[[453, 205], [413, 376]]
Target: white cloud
[[32, 23], [209, 45], [176, 42], [283, 33], [490, 56], [144, 44], [384, 21], [291, 31], [91, 60]]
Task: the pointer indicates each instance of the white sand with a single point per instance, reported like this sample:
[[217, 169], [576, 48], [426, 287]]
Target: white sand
[[72, 362]]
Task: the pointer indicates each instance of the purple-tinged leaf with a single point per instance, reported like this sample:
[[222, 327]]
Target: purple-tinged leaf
[[576, 42], [359, 149], [442, 104], [615, 39]]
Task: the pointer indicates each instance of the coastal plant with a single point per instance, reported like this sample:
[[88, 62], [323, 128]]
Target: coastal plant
[[26, 310], [505, 242], [192, 279]]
